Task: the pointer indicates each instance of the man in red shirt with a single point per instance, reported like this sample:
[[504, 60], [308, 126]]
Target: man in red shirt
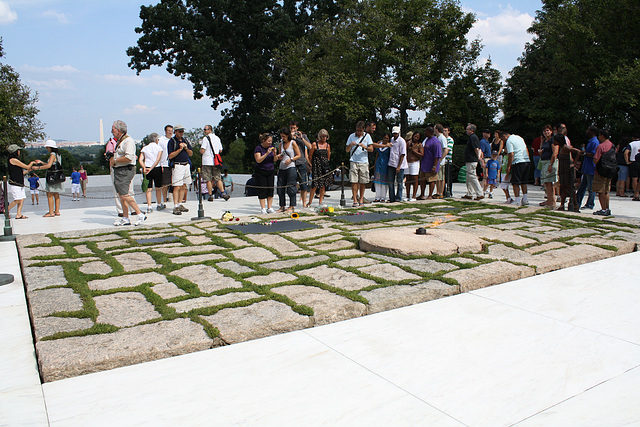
[[602, 184]]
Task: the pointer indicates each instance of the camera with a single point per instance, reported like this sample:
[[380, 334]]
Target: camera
[[108, 155]]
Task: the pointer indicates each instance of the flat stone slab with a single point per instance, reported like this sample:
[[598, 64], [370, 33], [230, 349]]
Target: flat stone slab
[[501, 251], [422, 264], [163, 239], [279, 243], [254, 254], [192, 259], [133, 261], [334, 246], [126, 281], [32, 239], [274, 227], [192, 230], [391, 297], [545, 247], [112, 244], [279, 265], [623, 246], [70, 357], [311, 234], [235, 267], [168, 290], [258, 320], [198, 240], [405, 241], [188, 249], [41, 251], [272, 278], [369, 216], [83, 250], [207, 278], [95, 267], [43, 277], [357, 262], [124, 309], [567, 257], [389, 272], [327, 306], [237, 242], [212, 301], [44, 302], [45, 326], [337, 278], [490, 274]]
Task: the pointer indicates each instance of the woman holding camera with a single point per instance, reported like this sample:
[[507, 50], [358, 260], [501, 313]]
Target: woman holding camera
[[265, 156], [287, 174], [53, 190]]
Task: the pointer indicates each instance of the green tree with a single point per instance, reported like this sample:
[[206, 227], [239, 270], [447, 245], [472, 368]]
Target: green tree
[[379, 59], [582, 68], [18, 111]]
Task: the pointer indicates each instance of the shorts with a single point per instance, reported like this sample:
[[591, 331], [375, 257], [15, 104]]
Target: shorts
[[181, 175], [623, 172], [413, 169], [441, 173], [166, 175], [491, 181], [122, 177], [634, 170], [76, 188], [155, 177], [211, 173], [34, 192], [548, 177], [359, 173], [428, 176], [17, 192], [601, 185], [519, 173], [303, 177]]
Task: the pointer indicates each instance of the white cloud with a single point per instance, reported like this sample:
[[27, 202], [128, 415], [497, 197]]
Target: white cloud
[[54, 68], [140, 80], [52, 84], [61, 17], [138, 109], [509, 28], [7, 16], [180, 93]]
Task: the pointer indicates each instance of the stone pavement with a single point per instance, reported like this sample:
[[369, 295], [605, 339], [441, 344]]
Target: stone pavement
[[99, 299]]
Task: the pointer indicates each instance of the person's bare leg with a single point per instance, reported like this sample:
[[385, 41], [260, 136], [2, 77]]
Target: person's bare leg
[[56, 198], [321, 195], [312, 194], [354, 192]]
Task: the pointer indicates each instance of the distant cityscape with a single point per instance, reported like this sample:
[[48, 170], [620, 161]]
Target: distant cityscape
[[61, 143]]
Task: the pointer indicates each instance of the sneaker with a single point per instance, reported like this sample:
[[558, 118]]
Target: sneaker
[[210, 198], [225, 196], [271, 210], [182, 208], [149, 209], [524, 202], [490, 196], [161, 207], [586, 207], [122, 221], [466, 196], [602, 212], [177, 211], [263, 211], [508, 201], [141, 219], [365, 201], [479, 198]]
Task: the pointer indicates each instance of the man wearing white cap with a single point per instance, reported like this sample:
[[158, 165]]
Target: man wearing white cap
[[397, 165], [179, 150]]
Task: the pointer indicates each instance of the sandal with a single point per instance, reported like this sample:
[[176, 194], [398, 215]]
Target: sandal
[[48, 215], [22, 217], [57, 213]]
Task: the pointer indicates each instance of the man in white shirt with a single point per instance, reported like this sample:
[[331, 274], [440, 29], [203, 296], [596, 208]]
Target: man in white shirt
[[149, 160], [634, 167], [518, 165], [210, 148], [439, 131], [164, 164]]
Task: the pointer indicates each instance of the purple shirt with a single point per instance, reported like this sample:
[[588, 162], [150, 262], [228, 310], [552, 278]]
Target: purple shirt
[[267, 163], [432, 151]]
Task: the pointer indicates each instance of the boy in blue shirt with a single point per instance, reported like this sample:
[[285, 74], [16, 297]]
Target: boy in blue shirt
[[34, 183], [492, 172], [75, 185]]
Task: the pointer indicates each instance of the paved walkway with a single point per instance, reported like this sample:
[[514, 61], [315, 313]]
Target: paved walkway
[[561, 348]]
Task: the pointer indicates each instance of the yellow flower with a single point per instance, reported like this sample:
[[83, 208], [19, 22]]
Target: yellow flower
[[295, 215], [331, 209]]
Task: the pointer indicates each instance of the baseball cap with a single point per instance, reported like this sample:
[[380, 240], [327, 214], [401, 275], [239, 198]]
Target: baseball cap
[[13, 148], [395, 129]]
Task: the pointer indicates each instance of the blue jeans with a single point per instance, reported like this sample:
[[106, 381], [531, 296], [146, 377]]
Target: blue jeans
[[288, 178], [536, 173], [586, 183], [395, 178]]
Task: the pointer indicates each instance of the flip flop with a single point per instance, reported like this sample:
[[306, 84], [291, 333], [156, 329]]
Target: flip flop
[[57, 213], [22, 217], [48, 215]]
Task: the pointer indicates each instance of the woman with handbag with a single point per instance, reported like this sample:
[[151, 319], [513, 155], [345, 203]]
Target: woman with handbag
[[54, 182]]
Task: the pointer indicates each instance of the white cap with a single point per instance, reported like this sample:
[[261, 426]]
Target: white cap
[[50, 143], [395, 129]]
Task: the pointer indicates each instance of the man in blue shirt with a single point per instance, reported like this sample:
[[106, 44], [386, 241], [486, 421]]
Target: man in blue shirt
[[180, 150], [75, 185], [485, 147], [588, 169]]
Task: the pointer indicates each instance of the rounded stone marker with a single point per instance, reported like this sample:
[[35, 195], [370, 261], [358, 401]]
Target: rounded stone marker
[[5, 279], [405, 241]]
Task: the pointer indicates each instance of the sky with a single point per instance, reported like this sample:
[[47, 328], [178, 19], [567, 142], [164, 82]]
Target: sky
[[73, 54]]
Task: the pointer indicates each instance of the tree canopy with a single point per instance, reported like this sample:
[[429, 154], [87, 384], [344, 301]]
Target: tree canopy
[[582, 68], [18, 111]]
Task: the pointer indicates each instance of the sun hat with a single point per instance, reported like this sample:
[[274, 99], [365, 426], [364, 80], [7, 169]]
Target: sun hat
[[13, 148], [395, 129], [178, 127], [50, 143]]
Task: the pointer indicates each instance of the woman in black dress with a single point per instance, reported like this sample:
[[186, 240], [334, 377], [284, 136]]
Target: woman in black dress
[[320, 155]]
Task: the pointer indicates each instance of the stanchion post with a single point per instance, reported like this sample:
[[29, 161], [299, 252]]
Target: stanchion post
[[343, 201], [199, 192], [448, 188], [8, 232]]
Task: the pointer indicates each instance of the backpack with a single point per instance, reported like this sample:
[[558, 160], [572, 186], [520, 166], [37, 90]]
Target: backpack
[[608, 165]]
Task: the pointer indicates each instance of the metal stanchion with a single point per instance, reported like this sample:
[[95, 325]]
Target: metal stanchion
[[8, 232], [448, 187], [343, 201], [200, 206]]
